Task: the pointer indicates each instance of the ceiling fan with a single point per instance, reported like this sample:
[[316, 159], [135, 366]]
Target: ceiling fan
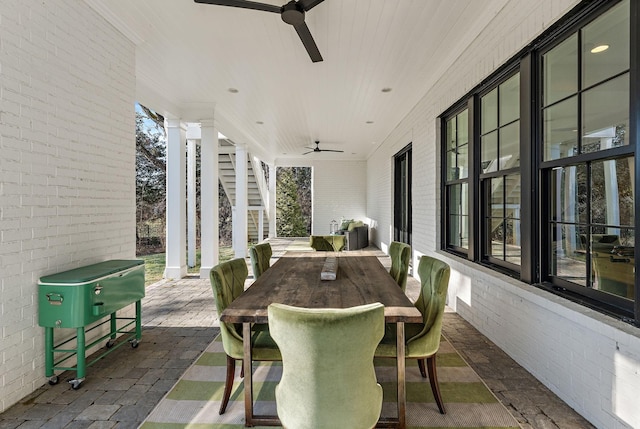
[[292, 13], [317, 149]]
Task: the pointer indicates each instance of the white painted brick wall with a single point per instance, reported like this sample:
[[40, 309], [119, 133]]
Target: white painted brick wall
[[591, 361], [67, 163], [342, 189]]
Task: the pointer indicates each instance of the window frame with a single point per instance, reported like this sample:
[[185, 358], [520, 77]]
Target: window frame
[[534, 170]]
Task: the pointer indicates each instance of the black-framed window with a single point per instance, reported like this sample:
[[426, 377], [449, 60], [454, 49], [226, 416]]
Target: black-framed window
[[457, 181], [550, 146], [402, 212], [499, 177], [588, 164]]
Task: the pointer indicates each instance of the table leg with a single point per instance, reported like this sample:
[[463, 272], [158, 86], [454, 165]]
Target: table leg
[[402, 394], [248, 374]]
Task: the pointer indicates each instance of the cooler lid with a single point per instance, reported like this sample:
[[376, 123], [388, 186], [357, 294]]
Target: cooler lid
[[90, 272]]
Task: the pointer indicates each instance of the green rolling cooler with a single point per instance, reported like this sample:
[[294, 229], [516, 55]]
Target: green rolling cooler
[[81, 297]]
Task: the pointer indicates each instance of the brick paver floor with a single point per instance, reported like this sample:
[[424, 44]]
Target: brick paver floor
[[179, 321]]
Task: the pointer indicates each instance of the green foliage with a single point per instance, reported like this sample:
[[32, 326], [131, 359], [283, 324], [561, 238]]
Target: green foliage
[[290, 221], [150, 178]]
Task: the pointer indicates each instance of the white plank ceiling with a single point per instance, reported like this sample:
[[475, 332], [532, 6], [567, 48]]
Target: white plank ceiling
[[189, 55]]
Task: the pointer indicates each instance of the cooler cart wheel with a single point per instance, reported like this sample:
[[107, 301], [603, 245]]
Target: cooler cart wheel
[[53, 380], [75, 383], [134, 343], [110, 343]]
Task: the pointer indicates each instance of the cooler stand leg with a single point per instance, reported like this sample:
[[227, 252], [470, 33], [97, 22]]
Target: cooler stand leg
[[81, 367], [136, 340], [48, 356], [114, 329]]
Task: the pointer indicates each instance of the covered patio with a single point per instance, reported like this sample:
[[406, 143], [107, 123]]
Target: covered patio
[[180, 321], [498, 136]]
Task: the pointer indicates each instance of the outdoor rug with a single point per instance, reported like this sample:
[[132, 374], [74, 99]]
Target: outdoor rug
[[194, 401]]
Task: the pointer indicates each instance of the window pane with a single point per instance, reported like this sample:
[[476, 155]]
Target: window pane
[[458, 228], [512, 221], [605, 115], [489, 152], [489, 111], [561, 130], [452, 170], [613, 263], [455, 199], [567, 193], [451, 133], [612, 193], [605, 45], [560, 71], [497, 197], [463, 161], [568, 257], [495, 220], [510, 146], [510, 100], [512, 241], [463, 127], [495, 227]]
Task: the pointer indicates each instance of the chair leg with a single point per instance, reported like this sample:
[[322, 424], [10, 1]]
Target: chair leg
[[423, 372], [433, 380], [231, 372]]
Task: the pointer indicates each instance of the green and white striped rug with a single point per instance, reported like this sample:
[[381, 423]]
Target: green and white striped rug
[[194, 401]]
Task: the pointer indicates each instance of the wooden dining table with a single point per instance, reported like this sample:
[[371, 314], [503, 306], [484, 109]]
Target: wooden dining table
[[295, 279]]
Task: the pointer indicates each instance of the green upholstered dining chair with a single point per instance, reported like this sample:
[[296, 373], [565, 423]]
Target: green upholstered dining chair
[[227, 281], [260, 255], [400, 254], [328, 378], [423, 339]]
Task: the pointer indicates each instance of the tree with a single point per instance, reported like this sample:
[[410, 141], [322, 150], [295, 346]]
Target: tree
[[289, 219], [150, 179]]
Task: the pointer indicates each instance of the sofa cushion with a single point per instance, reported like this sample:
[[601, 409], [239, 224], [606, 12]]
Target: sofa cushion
[[345, 224], [354, 225]]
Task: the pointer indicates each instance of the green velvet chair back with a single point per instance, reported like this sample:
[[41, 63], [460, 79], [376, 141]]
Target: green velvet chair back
[[227, 281], [260, 255], [400, 254], [434, 278], [328, 378]]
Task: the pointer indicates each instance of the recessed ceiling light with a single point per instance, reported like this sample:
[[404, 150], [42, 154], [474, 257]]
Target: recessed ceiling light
[[233, 90], [386, 89], [599, 48]]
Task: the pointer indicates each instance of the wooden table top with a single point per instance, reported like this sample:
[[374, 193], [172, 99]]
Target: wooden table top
[[295, 280]]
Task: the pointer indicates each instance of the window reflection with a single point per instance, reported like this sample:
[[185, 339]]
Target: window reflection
[[605, 115], [592, 217], [560, 125], [605, 46], [458, 231], [561, 71]]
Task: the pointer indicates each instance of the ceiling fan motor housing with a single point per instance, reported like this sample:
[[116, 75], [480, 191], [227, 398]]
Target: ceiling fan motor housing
[[292, 13]]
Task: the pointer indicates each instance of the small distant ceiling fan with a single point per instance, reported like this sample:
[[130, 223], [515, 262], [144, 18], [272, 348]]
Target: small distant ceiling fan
[[292, 13], [317, 149]]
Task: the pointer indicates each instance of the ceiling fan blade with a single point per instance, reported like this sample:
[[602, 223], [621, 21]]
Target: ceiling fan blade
[[330, 150], [308, 42], [307, 152], [309, 4], [246, 4]]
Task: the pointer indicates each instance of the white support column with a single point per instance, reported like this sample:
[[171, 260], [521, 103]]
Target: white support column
[[260, 224], [240, 228], [191, 203], [209, 230], [175, 265], [272, 201]]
